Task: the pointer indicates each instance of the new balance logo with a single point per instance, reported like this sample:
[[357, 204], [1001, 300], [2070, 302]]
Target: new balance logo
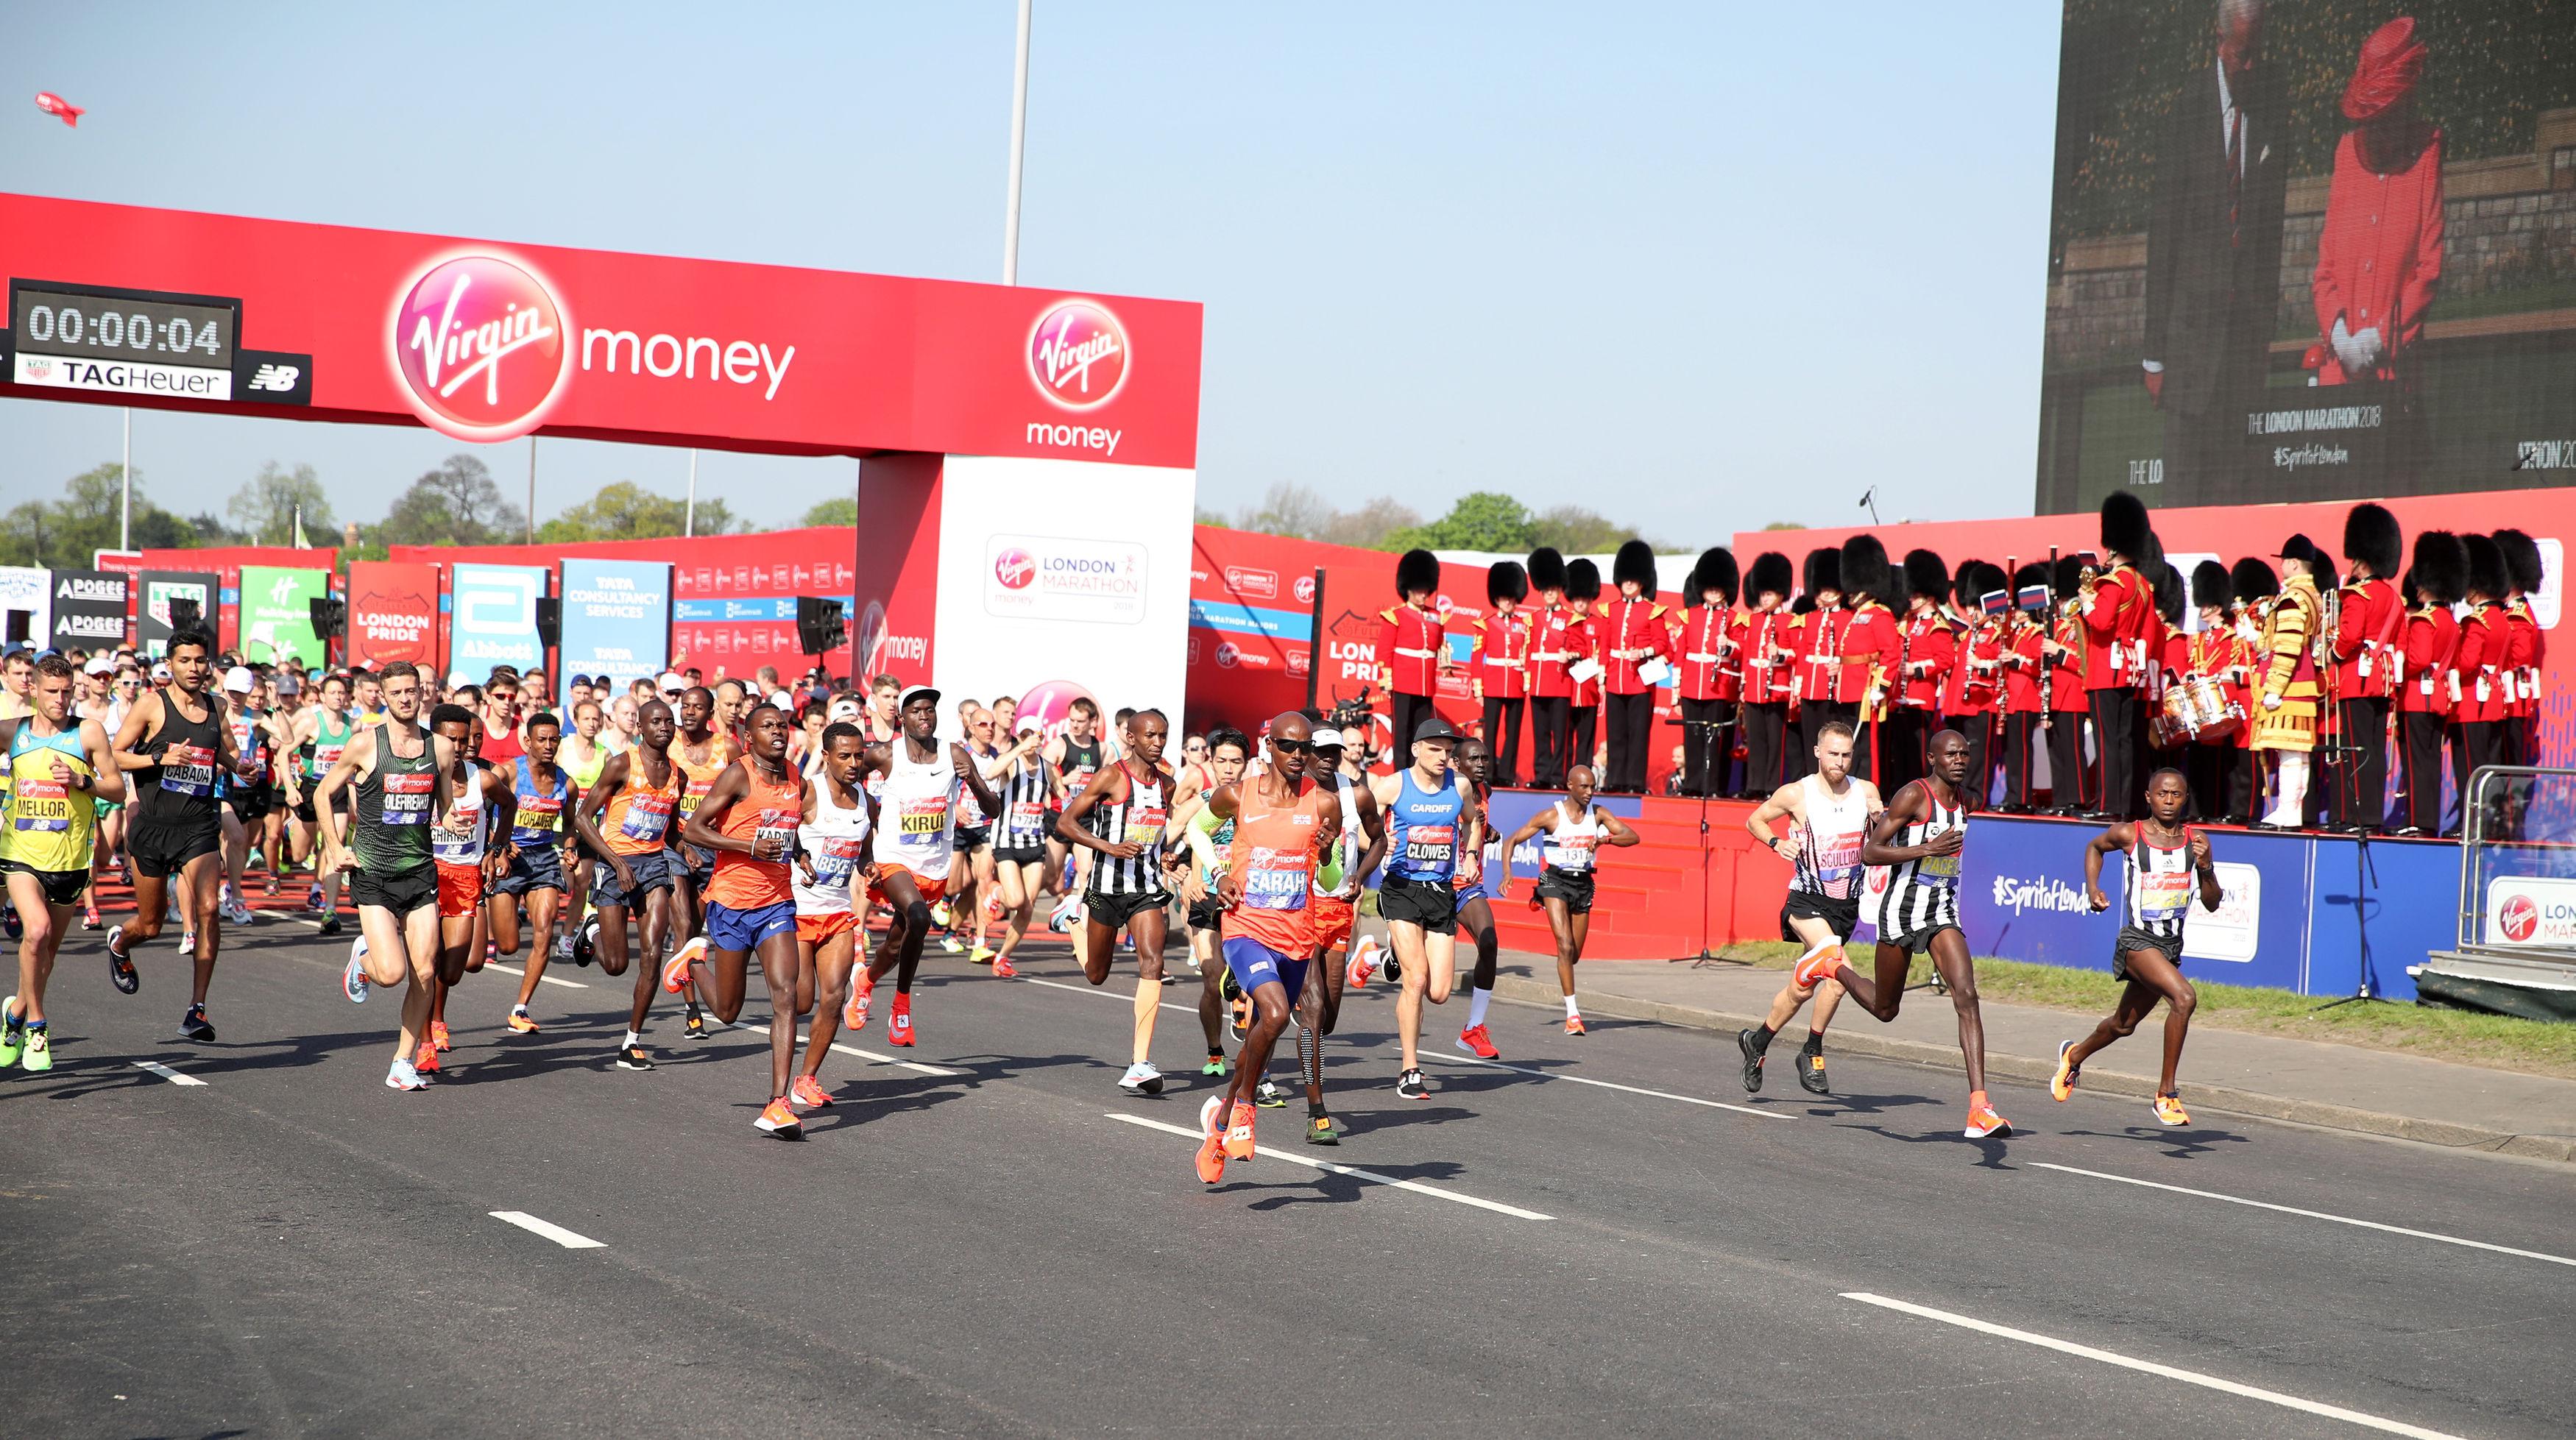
[[277, 378]]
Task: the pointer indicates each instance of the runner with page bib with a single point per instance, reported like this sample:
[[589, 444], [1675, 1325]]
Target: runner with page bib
[[915, 846], [2168, 867], [833, 841], [626, 819], [1829, 814], [59, 770], [1282, 820], [748, 821], [1575, 829]]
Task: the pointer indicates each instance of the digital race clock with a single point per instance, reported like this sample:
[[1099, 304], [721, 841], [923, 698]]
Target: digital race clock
[[89, 322]]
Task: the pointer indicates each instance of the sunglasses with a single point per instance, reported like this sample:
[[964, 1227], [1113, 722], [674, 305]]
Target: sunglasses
[[1292, 747]]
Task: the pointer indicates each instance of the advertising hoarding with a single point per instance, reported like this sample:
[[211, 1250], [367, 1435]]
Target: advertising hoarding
[[277, 615], [492, 620], [393, 613], [153, 620], [616, 618]]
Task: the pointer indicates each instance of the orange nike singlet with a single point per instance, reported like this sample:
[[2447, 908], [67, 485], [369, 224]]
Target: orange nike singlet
[[768, 810]]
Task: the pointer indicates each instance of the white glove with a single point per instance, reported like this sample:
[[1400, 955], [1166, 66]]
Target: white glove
[[2366, 346], [2346, 353]]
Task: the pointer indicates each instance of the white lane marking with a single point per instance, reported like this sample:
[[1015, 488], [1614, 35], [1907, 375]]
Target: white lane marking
[[2188, 1377], [890, 1060], [1327, 1166], [548, 1229], [542, 979], [166, 1073], [2311, 1214], [1612, 1085], [1124, 997]]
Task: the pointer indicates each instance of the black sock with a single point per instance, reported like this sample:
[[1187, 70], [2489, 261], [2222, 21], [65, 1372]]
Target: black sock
[[1762, 1037], [1815, 1042]]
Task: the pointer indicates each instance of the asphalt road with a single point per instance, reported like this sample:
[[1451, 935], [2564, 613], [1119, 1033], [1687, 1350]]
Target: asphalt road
[[1614, 1240]]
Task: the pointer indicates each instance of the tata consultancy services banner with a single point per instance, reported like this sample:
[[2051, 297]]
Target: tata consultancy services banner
[[393, 613], [494, 620], [277, 614], [616, 618]]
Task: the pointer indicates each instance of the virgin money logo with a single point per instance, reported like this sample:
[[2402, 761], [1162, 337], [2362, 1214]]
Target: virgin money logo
[[1015, 568], [479, 344], [1078, 355], [2518, 918], [1305, 589], [1227, 655]]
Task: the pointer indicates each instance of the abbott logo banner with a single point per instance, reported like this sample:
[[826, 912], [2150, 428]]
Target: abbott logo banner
[[2228, 932], [1043, 577], [495, 620]]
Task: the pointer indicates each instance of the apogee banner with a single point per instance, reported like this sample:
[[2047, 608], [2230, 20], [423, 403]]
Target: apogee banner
[[393, 613], [89, 610], [616, 618], [494, 620]]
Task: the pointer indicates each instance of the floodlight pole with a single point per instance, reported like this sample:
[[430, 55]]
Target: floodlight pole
[[1019, 148], [125, 517], [689, 520]]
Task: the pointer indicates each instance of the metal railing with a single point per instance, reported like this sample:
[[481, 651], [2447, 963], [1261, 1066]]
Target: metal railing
[[2517, 895]]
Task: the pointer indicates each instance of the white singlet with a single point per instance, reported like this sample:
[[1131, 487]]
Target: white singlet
[[836, 841], [1570, 843], [917, 811], [457, 839], [1829, 843]]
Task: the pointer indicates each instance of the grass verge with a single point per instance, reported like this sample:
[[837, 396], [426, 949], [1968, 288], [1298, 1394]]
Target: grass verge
[[2501, 1042]]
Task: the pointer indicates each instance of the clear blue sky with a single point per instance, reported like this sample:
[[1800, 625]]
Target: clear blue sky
[[1697, 266]]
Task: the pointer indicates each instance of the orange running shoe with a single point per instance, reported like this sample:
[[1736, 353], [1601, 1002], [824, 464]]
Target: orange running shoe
[[1212, 1160], [1983, 1121], [2062, 1084], [780, 1121], [438, 1035], [1238, 1134], [2169, 1111], [425, 1059], [854, 1015], [675, 971], [1574, 1025], [1817, 966], [1003, 967], [1476, 1042], [899, 1023], [809, 1092], [523, 1022]]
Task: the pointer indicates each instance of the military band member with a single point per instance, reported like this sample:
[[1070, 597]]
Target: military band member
[[1635, 635], [1711, 667], [2115, 607], [1551, 689], [2367, 646], [1864, 681], [2430, 650], [1819, 643], [2479, 706], [2523, 574], [2024, 665], [1411, 650], [2286, 680], [2219, 767], [1919, 671], [1584, 662], [1972, 695], [1762, 635], [1500, 664]]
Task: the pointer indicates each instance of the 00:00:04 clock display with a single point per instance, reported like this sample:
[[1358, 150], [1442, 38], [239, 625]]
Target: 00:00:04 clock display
[[112, 330]]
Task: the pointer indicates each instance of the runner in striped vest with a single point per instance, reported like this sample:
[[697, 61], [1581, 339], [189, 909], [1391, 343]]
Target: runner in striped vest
[[1920, 839], [1123, 815], [2168, 867]]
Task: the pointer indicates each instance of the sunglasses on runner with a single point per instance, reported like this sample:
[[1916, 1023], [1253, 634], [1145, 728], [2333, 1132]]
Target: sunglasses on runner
[[1292, 747]]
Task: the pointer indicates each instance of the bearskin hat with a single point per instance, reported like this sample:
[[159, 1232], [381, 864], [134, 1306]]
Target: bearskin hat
[[2521, 560], [1635, 561], [2124, 525], [2371, 537], [2487, 574], [2170, 591], [1824, 572], [1987, 580], [1417, 572], [2210, 585], [1770, 572], [1505, 580], [2441, 567], [1547, 569], [2252, 579], [1582, 580], [2034, 573], [2069, 577], [1927, 574], [1864, 568], [1715, 571]]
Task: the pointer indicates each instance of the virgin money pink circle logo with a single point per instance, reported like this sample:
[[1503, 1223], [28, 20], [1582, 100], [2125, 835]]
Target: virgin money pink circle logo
[[1015, 568], [1227, 655], [1305, 589], [479, 345], [1048, 705], [1078, 355], [2518, 918]]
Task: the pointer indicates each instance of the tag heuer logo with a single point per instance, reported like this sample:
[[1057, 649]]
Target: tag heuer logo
[[279, 379]]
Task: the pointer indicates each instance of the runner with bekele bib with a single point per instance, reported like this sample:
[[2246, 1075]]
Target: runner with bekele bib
[[627, 819], [59, 767], [175, 743], [397, 774], [1570, 832], [2169, 866], [913, 848], [1123, 817], [748, 821]]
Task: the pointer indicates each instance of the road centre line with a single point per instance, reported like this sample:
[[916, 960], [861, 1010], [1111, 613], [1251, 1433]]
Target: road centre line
[[166, 1073], [548, 1229], [890, 1060], [542, 979], [1328, 1167], [2310, 1214], [2188, 1377]]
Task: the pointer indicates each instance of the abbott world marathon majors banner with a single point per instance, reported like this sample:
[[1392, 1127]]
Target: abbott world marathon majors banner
[[88, 610], [493, 620], [616, 618]]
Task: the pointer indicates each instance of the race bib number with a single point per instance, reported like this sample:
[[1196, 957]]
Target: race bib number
[[1430, 844], [540, 814], [42, 805], [1027, 815], [921, 818], [324, 757], [648, 817], [775, 830], [1145, 827], [407, 797], [836, 862], [1276, 881], [1570, 852], [188, 770], [1942, 870], [2162, 895], [696, 792]]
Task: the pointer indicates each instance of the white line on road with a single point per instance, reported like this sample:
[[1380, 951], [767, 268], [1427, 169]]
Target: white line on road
[[1123, 997], [2312, 1214], [890, 1060], [1327, 1166], [2188, 1377], [542, 979], [166, 1073], [1612, 1085], [548, 1229]]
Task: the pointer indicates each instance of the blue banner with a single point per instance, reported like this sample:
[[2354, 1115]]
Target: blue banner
[[493, 620], [616, 618]]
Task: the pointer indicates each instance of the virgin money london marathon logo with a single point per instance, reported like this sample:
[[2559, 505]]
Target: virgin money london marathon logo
[[2518, 918], [1078, 355], [1014, 568], [479, 344]]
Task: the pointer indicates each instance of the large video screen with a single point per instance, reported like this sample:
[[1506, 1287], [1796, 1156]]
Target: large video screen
[[2311, 250]]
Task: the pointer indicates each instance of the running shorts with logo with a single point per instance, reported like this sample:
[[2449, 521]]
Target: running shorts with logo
[[401, 892], [652, 872], [2133, 938], [1574, 887], [731, 929], [815, 929], [1842, 915], [1206, 913], [460, 890], [61, 887], [537, 869], [1115, 911], [1431, 904], [1255, 965], [1333, 922]]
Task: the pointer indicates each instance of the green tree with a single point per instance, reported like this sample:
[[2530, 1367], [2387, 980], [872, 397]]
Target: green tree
[[1784, 525], [67, 533], [1368, 526], [624, 510], [1481, 520], [1578, 531], [839, 510], [455, 504], [264, 510]]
